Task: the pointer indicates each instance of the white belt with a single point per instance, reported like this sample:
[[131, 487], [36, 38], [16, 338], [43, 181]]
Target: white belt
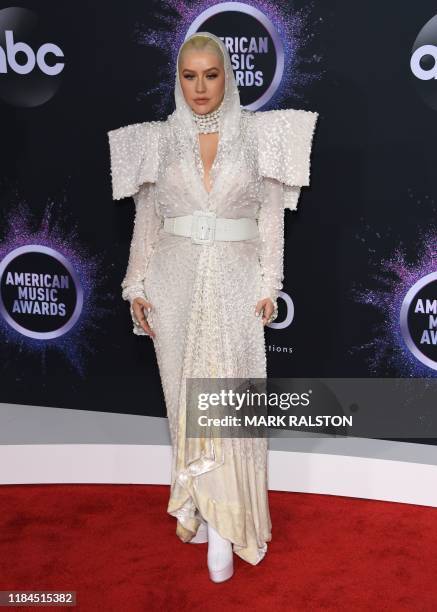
[[203, 227]]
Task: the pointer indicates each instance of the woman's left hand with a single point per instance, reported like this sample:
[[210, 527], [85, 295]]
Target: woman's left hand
[[267, 306]]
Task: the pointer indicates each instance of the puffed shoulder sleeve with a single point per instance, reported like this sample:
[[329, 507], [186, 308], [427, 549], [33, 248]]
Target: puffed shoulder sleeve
[[285, 140], [134, 157]]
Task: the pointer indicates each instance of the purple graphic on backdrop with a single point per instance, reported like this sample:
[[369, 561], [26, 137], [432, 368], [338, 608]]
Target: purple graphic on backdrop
[[406, 338], [48, 286], [268, 45]]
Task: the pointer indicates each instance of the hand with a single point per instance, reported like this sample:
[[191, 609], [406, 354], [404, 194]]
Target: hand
[[140, 306], [267, 306]]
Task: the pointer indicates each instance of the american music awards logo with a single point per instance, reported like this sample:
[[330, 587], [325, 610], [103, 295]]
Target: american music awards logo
[[31, 65], [418, 320], [423, 63], [405, 294], [50, 285], [40, 293], [266, 44], [254, 46]]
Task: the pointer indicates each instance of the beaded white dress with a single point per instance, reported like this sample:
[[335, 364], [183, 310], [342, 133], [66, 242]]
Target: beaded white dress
[[204, 296]]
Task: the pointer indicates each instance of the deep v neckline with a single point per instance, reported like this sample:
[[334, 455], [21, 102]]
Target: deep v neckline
[[201, 165]]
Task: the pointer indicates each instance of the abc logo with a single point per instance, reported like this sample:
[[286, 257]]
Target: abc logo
[[31, 69], [8, 57], [425, 52], [289, 310], [423, 63]]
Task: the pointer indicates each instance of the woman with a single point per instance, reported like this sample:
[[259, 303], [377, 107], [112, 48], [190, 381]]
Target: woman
[[210, 184]]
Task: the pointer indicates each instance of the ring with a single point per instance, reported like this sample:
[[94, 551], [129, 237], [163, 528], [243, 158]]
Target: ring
[[274, 314]]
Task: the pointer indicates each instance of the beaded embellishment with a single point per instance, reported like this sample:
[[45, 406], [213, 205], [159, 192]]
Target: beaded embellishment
[[208, 122]]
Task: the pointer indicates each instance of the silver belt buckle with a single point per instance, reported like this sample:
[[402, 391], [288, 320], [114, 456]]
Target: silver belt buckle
[[203, 227]]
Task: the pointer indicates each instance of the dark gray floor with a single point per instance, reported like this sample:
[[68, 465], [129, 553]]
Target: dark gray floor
[[42, 425]]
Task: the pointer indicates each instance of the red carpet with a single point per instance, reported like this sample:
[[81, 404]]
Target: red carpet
[[115, 546]]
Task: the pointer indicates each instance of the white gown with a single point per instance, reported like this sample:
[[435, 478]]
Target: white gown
[[204, 296]]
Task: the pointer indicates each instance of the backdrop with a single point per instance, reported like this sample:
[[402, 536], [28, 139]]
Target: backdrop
[[360, 287]]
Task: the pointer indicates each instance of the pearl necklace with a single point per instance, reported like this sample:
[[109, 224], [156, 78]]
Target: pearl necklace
[[209, 122]]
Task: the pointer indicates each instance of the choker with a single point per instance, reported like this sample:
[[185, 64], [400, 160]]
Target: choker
[[209, 122]]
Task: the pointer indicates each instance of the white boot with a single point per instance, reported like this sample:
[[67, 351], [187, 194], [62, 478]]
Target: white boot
[[220, 556], [202, 534]]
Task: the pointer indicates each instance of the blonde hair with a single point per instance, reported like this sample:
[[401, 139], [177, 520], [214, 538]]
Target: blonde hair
[[200, 42]]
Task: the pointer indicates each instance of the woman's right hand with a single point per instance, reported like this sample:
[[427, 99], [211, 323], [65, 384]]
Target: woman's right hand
[[140, 308]]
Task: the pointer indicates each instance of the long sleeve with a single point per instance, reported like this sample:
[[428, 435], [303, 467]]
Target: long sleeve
[[271, 230], [134, 158], [144, 237], [284, 160]]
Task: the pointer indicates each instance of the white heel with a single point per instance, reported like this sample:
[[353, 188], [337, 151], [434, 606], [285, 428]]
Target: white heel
[[220, 556], [201, 536], [223, 574]]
